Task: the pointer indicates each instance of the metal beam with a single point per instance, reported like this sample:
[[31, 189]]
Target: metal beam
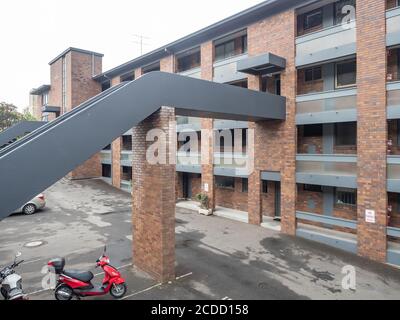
[[18, 130], [88, 128]]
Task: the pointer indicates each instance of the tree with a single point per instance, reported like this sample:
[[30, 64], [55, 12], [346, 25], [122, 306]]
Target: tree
[[9, 115]]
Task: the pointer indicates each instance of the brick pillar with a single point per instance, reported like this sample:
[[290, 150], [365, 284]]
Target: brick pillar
[[254, 194], [207, 126], [288, 90], [207, 160], [153, 203], [116, 162], [167, 64], [372, 127], [138, 73]]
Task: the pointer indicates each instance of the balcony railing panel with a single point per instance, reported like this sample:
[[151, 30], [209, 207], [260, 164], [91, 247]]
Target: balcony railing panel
[[327, 170], [393, 27], [226, 70], [330, 43], [327, 107], [126, 158], [105, 156]]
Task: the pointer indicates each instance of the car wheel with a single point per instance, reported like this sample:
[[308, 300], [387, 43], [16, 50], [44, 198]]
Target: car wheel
[[29, 209]]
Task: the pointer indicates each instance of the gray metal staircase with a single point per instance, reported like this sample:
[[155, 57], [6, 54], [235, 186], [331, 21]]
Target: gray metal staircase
[[35, 162], [18, 130]]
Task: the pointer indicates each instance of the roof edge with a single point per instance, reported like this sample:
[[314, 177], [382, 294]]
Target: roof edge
[[76, 50]]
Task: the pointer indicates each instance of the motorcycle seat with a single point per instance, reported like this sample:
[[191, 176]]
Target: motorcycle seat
[[85, 276]]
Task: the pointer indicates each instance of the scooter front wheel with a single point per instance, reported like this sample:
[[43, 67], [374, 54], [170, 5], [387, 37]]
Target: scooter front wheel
[[63, 293], [118, 290]]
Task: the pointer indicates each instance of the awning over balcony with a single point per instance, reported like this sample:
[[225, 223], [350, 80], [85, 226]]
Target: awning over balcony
[[261, 65], [51, 109], [42, 89]]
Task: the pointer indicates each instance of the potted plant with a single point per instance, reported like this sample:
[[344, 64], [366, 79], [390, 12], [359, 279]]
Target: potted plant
[[204, 204]]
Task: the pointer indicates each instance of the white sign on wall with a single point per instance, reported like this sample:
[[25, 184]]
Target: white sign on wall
[[206, 187], [370, 216]]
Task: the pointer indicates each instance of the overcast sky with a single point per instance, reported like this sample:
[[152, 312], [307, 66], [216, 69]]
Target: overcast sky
[[34, 32]]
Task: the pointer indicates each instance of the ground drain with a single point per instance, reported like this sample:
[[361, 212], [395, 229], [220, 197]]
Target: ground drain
[[34, 244]]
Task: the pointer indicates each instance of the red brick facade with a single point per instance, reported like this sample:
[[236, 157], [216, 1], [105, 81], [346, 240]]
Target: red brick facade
[[372, 127]]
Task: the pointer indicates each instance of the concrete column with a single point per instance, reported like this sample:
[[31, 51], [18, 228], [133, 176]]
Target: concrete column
[[153, 206], [372, 128]]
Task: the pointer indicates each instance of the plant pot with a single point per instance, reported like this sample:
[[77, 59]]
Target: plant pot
[[206, 212]]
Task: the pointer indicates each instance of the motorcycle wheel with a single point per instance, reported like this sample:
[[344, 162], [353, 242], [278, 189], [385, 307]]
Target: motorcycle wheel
[[3, 293], [63, 293], [118, 290]]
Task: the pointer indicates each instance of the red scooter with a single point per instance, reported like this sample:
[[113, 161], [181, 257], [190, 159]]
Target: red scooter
[[76, 283]]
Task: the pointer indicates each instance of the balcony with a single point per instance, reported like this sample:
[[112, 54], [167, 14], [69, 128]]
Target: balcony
[[327, 170], [230, 164], [126, 158], [393, 251], [188, 123], [393, 100], [189, 162], [341, 240], [105, 156], [393, 174], [393, 27], [193, 73], [328, 44], [226, 70], [327, 107]]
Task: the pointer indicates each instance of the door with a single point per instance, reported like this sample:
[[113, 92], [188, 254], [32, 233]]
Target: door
[[277, 200], [186, 189]]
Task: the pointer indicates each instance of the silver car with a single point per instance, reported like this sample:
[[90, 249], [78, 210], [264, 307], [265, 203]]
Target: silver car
[[34, 205]]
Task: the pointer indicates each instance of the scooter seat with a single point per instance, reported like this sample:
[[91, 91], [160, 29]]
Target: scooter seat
[[85, 276]]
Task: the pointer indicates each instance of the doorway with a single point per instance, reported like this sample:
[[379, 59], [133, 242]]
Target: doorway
[[186, 186]]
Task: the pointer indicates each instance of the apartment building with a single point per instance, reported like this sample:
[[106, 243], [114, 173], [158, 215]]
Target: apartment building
[[330, 172]]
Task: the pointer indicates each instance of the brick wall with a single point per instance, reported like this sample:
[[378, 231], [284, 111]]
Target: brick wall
[[268, 201], [275, 141], [391, 4], [232, 198], [153, 206], [372, 127], [116, 162]]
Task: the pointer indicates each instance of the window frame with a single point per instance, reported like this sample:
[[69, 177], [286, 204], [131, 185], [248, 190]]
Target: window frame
[[264, 187], [337, 86], [345, 190], [245, 185], [313, 73], [220, 186], [187, 54], [336, 135], [314, 12]]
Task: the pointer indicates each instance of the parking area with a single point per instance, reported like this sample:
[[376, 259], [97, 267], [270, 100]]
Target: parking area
[[216, 258]]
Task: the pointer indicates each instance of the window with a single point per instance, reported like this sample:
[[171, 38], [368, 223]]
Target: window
[[245, 185], [345, 134], [231, 48], [107, 147], [126, 173], [225, 182], [346, 196], [189, 61], [128, 77], [313, 74], [265, 186], [106, 170], [127, 143], [340, 13], [346, 74], [151, 68], [271, 84], [312, 130], [312, 188], [312, 19], [241, 84], [105, 85]]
